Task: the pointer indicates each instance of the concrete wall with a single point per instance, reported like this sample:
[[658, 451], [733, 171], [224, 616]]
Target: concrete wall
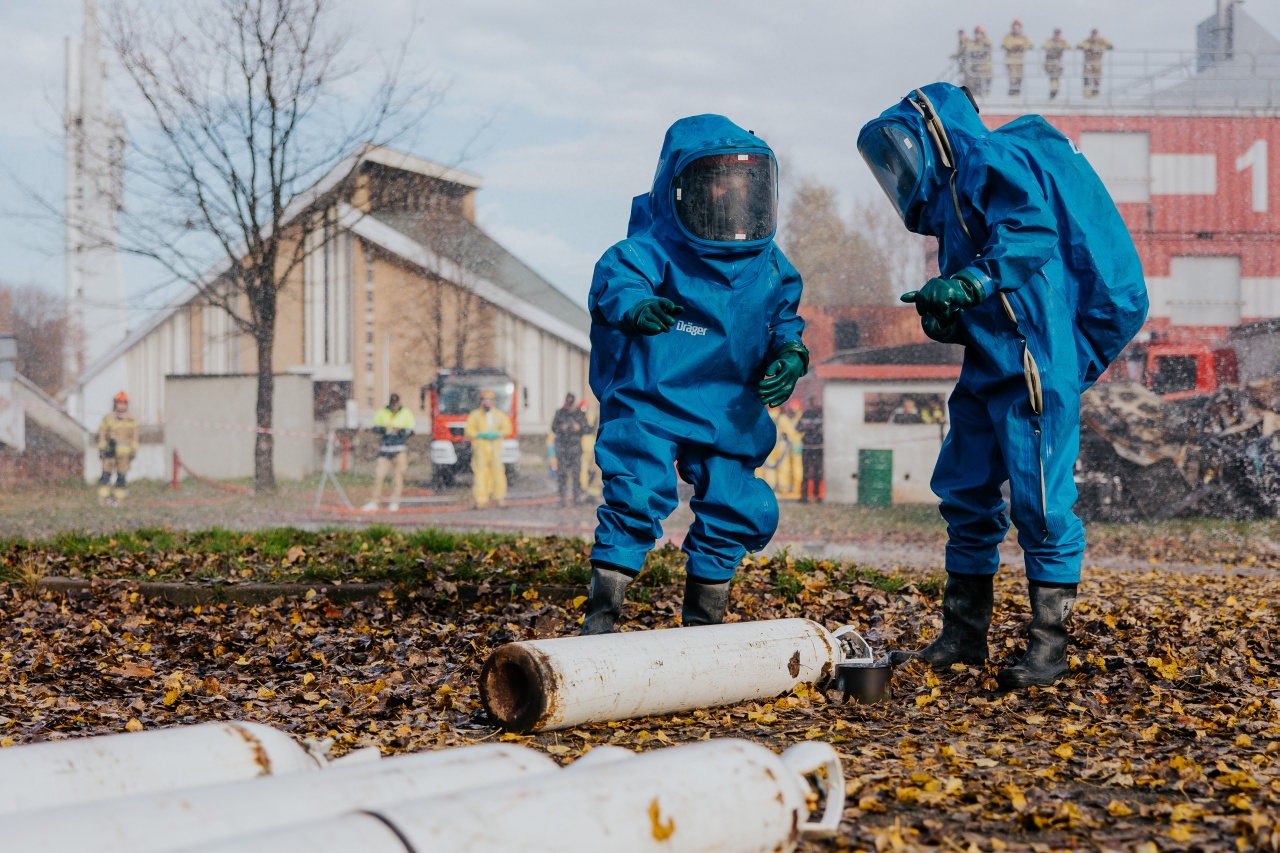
[[221, 445], [845, 431]]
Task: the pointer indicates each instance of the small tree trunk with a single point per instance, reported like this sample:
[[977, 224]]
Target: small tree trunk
[[264, 473]]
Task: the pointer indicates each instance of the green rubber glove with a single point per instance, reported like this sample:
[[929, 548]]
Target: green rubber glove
[[781, 377], [943, 298], [943, 333], [652, 316], [489, 436]]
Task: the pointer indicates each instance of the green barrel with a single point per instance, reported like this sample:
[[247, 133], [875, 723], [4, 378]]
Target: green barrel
[[875, 477]]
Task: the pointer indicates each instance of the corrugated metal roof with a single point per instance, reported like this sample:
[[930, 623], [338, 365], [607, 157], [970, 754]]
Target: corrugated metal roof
[[468, 246]]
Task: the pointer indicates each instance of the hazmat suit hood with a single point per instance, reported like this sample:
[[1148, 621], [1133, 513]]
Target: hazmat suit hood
[[921, 201], [687, 140]]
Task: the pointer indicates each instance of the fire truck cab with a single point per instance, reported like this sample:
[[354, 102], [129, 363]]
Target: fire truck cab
[[454, 395], [1178, 370]]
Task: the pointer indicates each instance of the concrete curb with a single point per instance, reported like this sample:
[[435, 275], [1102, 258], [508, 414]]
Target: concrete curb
[[190, 594]]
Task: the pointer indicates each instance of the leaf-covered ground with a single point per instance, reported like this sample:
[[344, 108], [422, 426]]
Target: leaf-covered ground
[[1166, 735]]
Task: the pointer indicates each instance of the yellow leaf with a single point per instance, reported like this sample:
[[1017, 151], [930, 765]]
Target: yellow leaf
[[266, 693], [531, 595], [1064, 752], [1180, 832], [871, 804], [578, 601], [170, 696], [1243, 740], [307, 678], [661, 831], [557, 749], [6, 742], [133, 725], [908, 794], [1035, 720], [921, 701], [311, 593], [1239, 802], [1231, 601], [1115, 808]]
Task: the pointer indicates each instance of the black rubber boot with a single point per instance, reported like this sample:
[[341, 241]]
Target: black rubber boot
[[966, 618], [605, 597], [1045, 660], [704, 601]]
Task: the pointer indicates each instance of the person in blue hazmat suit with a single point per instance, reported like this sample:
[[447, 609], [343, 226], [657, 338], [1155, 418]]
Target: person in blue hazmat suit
[[694, 331], [1041, 284]]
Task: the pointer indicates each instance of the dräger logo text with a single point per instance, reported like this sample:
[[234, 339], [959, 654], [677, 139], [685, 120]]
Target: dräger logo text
[[682, 326]]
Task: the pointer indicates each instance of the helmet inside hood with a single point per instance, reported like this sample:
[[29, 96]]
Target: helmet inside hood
[[914, 147]]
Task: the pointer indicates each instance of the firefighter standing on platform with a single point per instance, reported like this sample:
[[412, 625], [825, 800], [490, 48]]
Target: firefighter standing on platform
[[964, 61], [1095, 48], [1015, 46], [1054, 49], [486, 428], [980, 60], [117, 445]]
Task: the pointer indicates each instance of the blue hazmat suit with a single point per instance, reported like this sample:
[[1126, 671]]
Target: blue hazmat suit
[[685, 401], [1064, 294]]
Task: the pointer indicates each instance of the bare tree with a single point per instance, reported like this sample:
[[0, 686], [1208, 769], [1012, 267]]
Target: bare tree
[[243, 106], [38, 321], [903, 253], [459, 321], [839, 265]]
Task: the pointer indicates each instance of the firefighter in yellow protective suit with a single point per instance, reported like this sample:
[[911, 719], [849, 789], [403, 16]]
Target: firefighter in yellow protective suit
[[486, 428], [1015, 46], [117, 445], [1095, 48]]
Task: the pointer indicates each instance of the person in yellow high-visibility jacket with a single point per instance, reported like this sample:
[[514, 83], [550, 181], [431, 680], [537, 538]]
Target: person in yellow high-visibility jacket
[[486, 428], [394, 424], [117, 445]]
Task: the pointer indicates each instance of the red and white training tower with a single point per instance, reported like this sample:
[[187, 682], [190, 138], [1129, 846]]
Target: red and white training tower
[[1189, 146]]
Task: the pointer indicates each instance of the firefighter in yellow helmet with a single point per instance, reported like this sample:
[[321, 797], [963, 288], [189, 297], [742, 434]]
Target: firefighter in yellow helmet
[[1015, 46], [486, 427], [117, 445], [1095, 48], [1054, 49]]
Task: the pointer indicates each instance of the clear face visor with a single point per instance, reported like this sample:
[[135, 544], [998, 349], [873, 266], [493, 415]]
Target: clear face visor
[[729, 198], [895, 159]]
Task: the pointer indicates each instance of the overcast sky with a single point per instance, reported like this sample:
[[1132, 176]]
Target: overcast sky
[[576, 95]]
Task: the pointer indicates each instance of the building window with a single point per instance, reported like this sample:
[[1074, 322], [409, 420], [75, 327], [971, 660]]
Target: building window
[[1204, 290], [847, 335], [327, 293], [1123, 161]]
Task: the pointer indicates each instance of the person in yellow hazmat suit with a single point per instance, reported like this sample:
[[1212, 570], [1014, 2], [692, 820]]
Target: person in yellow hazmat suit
[[117, 445], [486, 428], [394, 424], [589, 472], [781, 469]]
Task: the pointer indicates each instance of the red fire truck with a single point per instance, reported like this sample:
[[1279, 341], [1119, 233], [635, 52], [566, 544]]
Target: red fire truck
[[1177, 369], [454, 395]]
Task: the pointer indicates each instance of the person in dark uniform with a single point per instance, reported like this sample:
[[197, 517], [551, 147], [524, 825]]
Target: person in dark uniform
[[568, 426], [810, 428]]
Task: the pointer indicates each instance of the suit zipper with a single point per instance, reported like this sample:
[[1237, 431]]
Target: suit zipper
[[1035, 394]]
